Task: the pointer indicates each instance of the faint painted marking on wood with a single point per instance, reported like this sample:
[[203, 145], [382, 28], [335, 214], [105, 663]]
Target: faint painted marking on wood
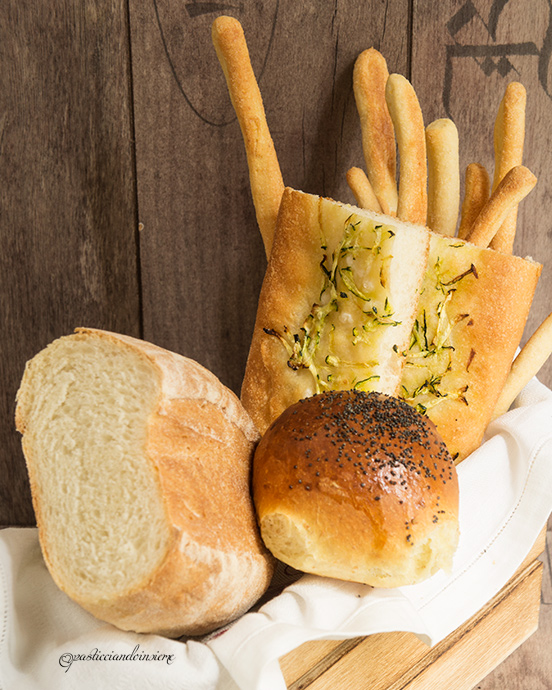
[[67, 196], [493, 58], [195, 10]]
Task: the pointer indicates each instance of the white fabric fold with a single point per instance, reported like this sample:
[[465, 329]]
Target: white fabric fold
[[44, 633], [48, 641]]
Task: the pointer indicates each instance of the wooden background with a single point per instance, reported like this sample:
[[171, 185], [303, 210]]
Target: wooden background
[[124, 194]]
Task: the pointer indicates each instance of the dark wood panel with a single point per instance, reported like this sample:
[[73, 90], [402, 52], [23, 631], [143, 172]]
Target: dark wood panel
[[202, 256], [67, 195], [68, 209], [464, 54]]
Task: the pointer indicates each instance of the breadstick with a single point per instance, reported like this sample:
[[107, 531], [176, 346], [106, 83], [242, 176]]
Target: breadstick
[[443, 176], [408, 122], [264, 170], [526, 365], [362, 189], [509, 135], [515, 186], [477, 188], [509, 131], [378, 139]]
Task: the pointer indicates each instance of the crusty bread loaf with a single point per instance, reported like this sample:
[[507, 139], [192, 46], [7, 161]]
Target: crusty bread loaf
[[337, 304], [474, 303], [139, 465], [432, 319], [357, 486]]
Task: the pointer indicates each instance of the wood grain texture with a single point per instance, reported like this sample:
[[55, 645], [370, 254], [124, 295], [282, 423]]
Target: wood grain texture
[[201, 251], [393, 661], [311, 660], [399, 661], [530, 666], [463, 55], [67, 197], [71, 198]]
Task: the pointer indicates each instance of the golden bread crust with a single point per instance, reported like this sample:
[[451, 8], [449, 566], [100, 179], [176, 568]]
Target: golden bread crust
[[485, 297], [370, 76], [468, 318], [310, 231], [200, 442], [357, 486]]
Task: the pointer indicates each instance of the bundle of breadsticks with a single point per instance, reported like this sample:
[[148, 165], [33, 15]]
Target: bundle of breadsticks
[[390, 295]]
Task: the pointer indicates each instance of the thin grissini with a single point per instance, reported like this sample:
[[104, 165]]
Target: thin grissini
[[514, 187], [264, 169], [526, 365], [477, 189], [378, 139], [509, 131], [363, 191], [509, 136], [408, 123], [443, 176]]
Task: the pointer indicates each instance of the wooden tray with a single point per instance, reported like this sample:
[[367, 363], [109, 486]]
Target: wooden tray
[[125, 195], [400, 661]]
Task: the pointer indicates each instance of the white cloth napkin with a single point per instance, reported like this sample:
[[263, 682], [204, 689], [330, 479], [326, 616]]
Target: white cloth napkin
[[48, 642]]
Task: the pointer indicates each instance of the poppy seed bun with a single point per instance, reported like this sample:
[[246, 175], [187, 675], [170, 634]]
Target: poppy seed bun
[[357, 486]]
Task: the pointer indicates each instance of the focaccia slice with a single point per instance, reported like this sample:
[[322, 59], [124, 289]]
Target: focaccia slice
[[337, 305], [474, 303]]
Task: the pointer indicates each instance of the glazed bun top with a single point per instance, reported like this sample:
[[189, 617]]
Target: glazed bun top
[[357, 486]]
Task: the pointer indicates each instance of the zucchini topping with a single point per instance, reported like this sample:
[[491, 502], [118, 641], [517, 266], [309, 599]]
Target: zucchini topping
[[355, 280], [431, 349]]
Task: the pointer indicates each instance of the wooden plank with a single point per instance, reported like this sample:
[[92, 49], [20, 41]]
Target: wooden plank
[[464, 53], [68, 221], [481, 649], [312, 659], [399, 661], [530, 666], [304, 665], [202, 256]]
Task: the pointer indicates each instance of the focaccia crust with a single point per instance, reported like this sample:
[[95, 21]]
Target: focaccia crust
[[336, 307], [446, 345], [473, 307]]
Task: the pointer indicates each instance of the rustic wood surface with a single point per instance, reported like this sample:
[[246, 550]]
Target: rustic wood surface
[[530, 666], [68, 253], [124, 194], [400, 661]]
